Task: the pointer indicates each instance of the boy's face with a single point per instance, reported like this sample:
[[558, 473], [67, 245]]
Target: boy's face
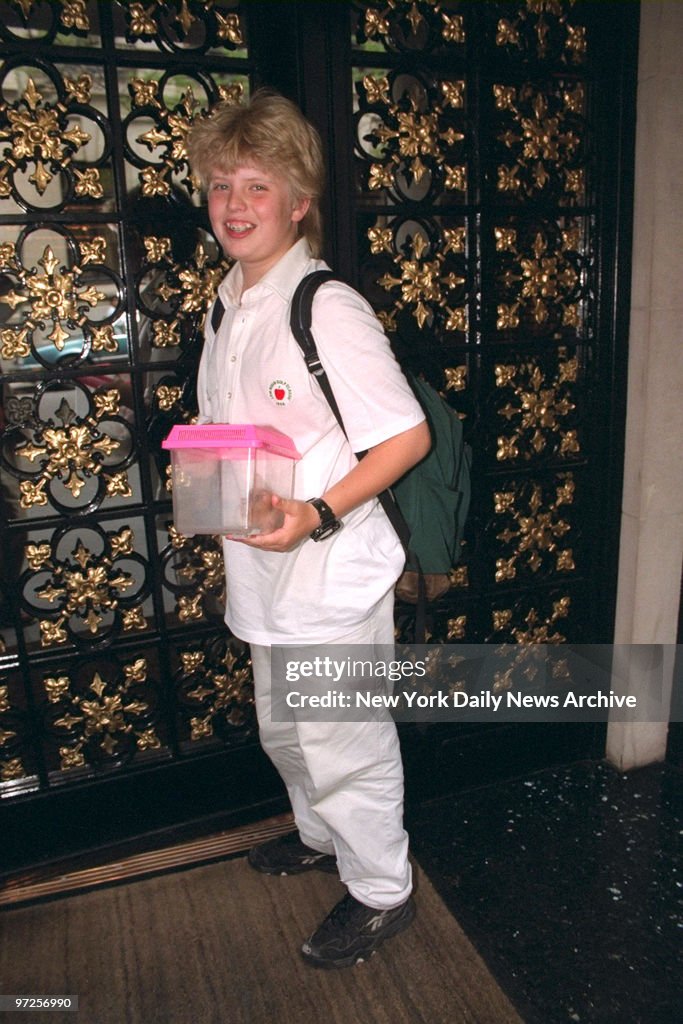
[[254, 217]]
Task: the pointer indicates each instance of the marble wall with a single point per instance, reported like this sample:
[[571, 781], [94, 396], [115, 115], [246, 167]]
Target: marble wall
[[651, 553]]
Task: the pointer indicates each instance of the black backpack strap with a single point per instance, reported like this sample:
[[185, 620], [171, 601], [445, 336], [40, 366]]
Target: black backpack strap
[[301, 316], [217, 314], [300, 320]]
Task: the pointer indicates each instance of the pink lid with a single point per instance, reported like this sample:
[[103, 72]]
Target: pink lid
[[230, 435]]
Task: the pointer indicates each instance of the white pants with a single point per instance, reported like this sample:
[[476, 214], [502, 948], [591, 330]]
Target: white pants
[[345, 781]]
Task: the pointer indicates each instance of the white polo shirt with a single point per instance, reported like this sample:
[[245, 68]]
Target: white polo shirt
[[253, 371]]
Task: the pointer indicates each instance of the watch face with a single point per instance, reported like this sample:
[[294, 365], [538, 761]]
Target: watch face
[[326, 530], [329, 523]]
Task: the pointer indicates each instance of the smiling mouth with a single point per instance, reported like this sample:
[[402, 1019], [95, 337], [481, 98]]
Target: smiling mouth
[[239, 229]]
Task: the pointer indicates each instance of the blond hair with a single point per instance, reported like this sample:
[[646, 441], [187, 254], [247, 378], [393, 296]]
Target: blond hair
[[271, 132]]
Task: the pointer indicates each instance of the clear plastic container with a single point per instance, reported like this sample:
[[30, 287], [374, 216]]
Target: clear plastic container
[[224, 476]]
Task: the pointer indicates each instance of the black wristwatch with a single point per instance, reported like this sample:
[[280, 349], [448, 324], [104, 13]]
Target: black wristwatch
[[329, 523]]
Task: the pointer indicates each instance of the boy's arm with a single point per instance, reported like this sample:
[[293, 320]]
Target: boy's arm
[[377, 470], [382, 466]]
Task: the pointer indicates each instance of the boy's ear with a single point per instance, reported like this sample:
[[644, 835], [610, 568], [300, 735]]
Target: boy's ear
[[300, 209]]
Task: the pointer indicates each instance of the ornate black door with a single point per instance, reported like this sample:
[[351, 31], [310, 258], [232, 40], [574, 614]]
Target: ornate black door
[[480, 167]]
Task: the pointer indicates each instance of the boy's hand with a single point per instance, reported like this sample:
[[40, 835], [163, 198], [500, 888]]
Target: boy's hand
[[300, 520]]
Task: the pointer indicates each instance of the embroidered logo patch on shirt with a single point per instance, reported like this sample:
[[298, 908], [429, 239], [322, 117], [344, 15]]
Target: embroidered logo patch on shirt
[[280, 392]]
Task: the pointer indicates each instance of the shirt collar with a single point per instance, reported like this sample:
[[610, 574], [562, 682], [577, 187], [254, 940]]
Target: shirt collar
[[282, 278]]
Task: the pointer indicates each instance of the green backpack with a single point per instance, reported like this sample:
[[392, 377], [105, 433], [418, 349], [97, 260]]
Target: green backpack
[[434, 499]]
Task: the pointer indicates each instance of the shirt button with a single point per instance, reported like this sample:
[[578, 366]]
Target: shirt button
[[229, 394], [233, 358]]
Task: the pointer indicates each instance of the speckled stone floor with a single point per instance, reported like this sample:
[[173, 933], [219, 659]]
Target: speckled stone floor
[[569, 882]]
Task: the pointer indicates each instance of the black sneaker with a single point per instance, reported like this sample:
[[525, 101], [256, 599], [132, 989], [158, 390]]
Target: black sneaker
[[287, 855], [352, 932]]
